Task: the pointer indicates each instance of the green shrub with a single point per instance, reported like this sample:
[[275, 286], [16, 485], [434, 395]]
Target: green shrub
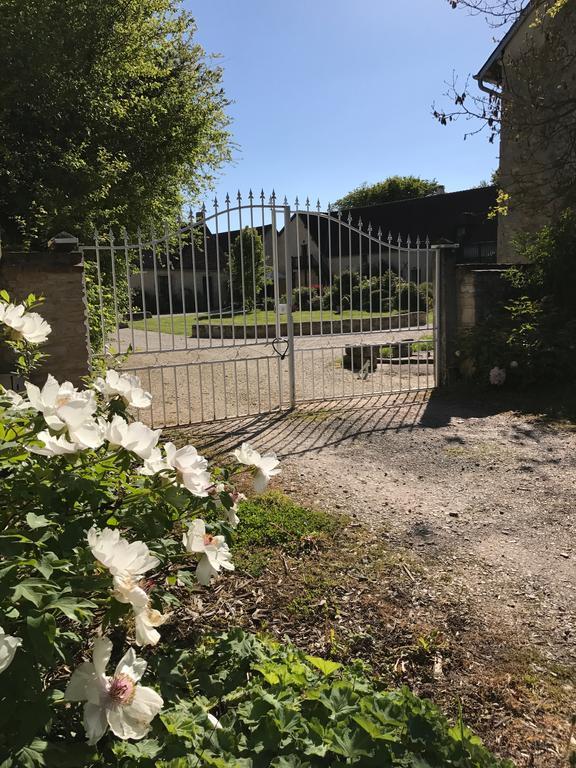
[[532, 334], [306, 299]]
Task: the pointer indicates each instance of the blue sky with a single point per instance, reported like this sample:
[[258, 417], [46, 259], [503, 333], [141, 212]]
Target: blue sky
[[328, 94]]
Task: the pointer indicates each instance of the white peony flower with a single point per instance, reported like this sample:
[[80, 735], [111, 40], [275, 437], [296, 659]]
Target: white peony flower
[[35, 330], [497, 376], [135, 437], [53, 446], [154, 464], [8, 648], [514, 364], [115, 702], [29, 326], [123, 385], [147, 619], [64, 407], [267, 465], [215, 552], [126, 561], [214, 722], [191, 468]]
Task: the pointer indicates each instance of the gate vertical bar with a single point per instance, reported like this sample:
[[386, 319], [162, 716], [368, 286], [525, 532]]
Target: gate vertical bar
[[438, 345], [274, 236], [289, 320]]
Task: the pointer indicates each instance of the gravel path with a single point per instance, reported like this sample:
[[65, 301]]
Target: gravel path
[[210, 382], [485, 495]]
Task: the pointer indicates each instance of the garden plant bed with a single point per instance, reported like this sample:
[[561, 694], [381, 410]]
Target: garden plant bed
[[454, 572]]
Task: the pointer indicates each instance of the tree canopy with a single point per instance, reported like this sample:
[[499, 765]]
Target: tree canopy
[[110, 114], [391, 189], [247, 268]]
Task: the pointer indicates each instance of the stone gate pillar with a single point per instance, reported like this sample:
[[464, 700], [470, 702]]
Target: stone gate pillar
[[58, 276]]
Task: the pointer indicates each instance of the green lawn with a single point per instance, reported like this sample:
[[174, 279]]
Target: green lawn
[[261, 317]]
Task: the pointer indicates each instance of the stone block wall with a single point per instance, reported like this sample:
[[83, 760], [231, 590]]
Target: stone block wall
[[468, 294], [59, 278]]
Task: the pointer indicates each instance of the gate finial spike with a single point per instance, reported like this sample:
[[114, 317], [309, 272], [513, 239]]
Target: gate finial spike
[[203, 208], [111, 235], [96, 234], [262, 196], [408, 241], [227, 199], [239, 197], [389, 236], [124, 233], [379, 233], [399, 239], [215, 203], [349, 219], [339, 214], [273, 197], [308, 203], [296, 203], [329, 208], [250, 196], [369, 228], [285, 200], [417, 241], [359, 222], [427, 242], [318, 206]]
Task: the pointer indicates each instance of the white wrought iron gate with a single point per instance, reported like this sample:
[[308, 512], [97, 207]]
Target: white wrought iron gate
[[255, 306]]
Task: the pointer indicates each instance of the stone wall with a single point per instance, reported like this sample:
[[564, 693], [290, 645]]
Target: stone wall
[[468, 294], [59, 278]]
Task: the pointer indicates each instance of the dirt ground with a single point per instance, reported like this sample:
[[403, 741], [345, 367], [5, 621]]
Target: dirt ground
[[479, 503]]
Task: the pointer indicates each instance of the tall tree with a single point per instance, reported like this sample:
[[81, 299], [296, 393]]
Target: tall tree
[[110, 114], [247, 268], [387, 191]]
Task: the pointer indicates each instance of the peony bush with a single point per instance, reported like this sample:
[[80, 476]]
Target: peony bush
[[105, 537]]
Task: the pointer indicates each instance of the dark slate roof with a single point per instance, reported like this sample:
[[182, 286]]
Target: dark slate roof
[[458, 217], [217, 248]]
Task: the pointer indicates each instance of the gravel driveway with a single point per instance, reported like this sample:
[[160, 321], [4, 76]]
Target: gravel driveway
[[485, 495], [207, 382]]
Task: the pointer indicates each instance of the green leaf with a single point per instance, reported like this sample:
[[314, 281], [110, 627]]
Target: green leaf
[[37, 521], [42, 633], [325, 666], [74, 608], [33, 590]]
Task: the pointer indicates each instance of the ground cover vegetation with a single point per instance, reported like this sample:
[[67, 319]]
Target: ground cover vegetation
[[110, 541]]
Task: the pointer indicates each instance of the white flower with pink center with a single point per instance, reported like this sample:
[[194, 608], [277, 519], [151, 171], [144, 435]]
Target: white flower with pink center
[[117, 702], [214, 550], [267, 465], [124, 385], [135, 437], [126, 561], [497, 376], [29, 326]]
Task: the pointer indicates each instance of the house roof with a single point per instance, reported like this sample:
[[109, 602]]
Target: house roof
[[459, 217], [490, 70]]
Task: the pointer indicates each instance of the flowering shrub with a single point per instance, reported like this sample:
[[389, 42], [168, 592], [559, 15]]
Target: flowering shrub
[[101, 534]]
